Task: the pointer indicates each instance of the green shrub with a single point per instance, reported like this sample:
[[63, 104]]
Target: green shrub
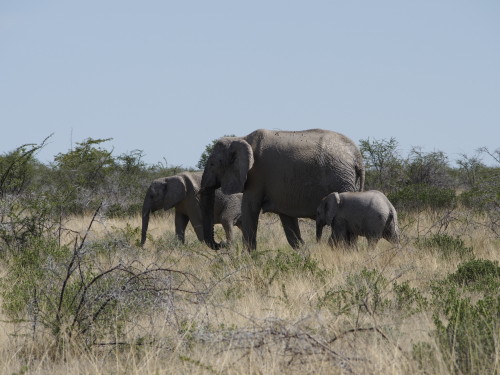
[[467, 317], [446, 246], [477, 274], [24, 218], [289, 261], [408, 300], [419, 197], [364, 292]]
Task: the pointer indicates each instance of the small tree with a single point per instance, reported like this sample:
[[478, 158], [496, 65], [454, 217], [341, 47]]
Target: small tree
[[17, 168], [428, 168], [80, 174], [383, 163], [86, 165]]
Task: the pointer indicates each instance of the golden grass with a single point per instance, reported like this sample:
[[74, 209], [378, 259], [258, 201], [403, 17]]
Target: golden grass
[[251, 321]]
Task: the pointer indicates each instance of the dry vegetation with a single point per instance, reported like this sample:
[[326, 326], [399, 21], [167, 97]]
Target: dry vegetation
[[317, 310]]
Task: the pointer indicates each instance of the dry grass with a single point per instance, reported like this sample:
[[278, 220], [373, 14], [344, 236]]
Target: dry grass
[[254, 317]]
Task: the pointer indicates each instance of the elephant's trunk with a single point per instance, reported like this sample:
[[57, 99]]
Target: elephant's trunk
[[146, 210], [319, 229], [207, 212]]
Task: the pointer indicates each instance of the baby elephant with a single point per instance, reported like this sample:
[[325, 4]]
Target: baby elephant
[[353, 214], [182, 192]]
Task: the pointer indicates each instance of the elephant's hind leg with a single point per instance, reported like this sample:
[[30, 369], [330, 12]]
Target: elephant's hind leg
[[292, 230]]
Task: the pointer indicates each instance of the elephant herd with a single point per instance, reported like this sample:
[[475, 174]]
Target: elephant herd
[[316, 174]]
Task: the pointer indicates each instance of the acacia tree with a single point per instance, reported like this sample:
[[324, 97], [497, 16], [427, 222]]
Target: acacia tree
[[429, 168], [17, 168], [80, 173]]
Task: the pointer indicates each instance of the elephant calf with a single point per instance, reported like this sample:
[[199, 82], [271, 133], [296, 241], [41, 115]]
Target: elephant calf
[[182, 192], [352, 214]]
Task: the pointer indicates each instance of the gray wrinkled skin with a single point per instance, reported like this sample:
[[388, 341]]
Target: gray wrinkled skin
[[181, 192], [285, 172], [351, 214]]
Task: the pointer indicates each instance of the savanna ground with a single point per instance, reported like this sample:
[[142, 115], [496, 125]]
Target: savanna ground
[[107, 306]]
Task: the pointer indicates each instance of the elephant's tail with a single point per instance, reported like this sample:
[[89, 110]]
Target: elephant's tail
[[391, 230]]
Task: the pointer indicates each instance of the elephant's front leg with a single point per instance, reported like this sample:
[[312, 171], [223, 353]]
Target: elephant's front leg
[[339, 234], [181, 222], [250, 210], [292, 230]]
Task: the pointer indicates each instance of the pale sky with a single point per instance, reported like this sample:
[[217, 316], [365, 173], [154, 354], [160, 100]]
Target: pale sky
[[167, 77]]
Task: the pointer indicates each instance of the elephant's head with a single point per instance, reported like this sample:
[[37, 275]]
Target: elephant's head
[[227, 167], [163, 193], [327, 210]]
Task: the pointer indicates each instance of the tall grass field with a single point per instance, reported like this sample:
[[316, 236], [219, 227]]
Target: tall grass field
[[91, 301]]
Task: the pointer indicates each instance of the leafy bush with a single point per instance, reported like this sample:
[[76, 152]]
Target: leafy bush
[[418, 197], [23, 218], [467, 317], [289, 261], [364, 292], [477, 274], [446, 246], [429, 168], [18, 169], [408, 300]]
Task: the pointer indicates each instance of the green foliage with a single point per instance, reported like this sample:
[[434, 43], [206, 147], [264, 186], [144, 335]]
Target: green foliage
[[408, 300], [17, 168], [470, 169], [446, 246], [483, 186], [78, 175], [208, 150], [427, 168], [467, 317], [23, 288], [477, 275], [417, 197], [363, 292], [369, 292], [485, 196], [86, 165], [384, 167], [23, 218], [289, 261]]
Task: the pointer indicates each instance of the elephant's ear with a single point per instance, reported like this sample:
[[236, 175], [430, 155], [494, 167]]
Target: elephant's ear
[[239, 162], [332, 205], [175, 191]]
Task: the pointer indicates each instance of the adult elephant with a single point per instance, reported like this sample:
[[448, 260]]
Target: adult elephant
[[285, 172], [182, 192]]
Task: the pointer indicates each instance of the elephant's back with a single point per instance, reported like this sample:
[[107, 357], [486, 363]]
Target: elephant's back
[[301, 167]]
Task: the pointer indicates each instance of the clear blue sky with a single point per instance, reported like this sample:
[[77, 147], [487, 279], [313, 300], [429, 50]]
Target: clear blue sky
[[167, 77]]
